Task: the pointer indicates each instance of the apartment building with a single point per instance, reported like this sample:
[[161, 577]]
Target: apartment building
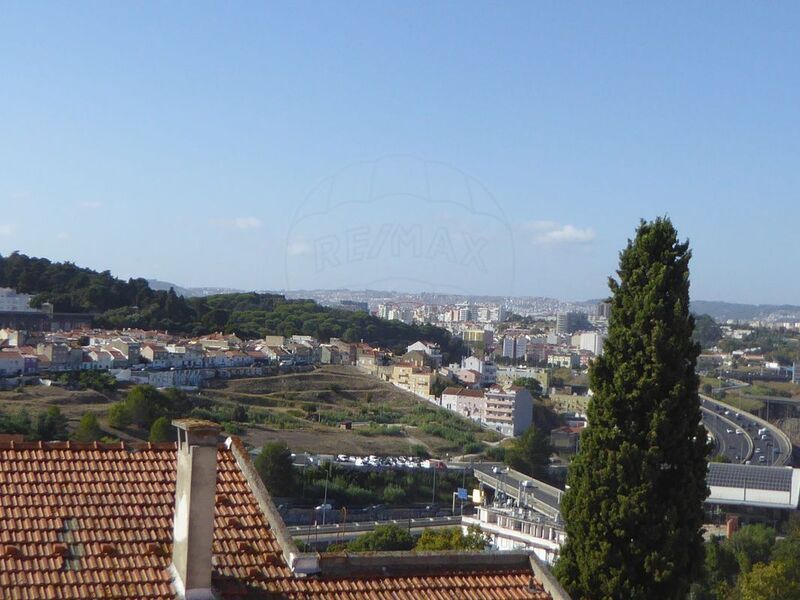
[[430, 349], [11, 301], [507, 410], [514, 346], [566, 360], [486, 368], [12, 363], [478, 336], [507, 375]]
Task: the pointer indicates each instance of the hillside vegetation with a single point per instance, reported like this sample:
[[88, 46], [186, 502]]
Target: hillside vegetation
[[119, 304]]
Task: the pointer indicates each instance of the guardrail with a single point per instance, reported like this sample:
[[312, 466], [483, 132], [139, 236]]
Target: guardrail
[[515, 491]]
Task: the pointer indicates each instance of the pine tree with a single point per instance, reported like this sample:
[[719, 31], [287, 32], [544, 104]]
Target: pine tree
[[88, 429], [162, 431], [634, 510]]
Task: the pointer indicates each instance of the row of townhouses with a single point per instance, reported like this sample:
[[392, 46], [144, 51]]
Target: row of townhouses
[[137, 354], [165, 360]]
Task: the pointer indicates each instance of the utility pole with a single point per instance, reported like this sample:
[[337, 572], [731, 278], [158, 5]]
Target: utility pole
[[325, 501], [433, 495]]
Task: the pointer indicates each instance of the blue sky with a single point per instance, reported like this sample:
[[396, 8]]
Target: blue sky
[[506, 148]]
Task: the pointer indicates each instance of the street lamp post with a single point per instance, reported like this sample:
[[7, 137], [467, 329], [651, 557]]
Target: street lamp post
[[433, 493], [325, 500]]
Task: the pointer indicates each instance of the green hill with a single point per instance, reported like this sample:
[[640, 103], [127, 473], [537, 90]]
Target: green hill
[[134, 303]]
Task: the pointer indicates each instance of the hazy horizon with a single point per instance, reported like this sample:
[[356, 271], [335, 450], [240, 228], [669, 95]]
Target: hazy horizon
[[463, 148]]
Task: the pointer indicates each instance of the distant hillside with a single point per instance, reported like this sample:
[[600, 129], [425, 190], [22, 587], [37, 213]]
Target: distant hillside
[[134, 303], [191, 292], [722, 311]]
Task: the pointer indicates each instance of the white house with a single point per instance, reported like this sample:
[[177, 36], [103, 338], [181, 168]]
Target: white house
[[486, 368], [429, 348], [12, 363]]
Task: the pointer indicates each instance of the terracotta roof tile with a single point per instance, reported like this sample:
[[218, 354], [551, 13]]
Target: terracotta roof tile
[[95, 521]]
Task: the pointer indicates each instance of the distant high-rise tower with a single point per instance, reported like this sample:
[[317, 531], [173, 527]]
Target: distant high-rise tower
[[570, 322]]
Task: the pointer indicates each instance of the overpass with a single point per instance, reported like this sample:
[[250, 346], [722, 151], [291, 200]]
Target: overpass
[[729, 484], [540, 496]]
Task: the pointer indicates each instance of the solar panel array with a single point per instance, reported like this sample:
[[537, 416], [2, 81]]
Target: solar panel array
[[753, 477]]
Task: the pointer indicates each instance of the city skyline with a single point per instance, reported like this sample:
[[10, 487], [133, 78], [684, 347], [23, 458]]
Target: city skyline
[[506, 151]]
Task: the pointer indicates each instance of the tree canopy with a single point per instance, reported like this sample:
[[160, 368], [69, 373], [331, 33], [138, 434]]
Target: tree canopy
[[274, 464], [384, 537], [162, 431], [530, 384], [752, 565], [530, 453], [706, 331], [451, 538], [144, 404], [88, 429], [634, 510], [119, 304]]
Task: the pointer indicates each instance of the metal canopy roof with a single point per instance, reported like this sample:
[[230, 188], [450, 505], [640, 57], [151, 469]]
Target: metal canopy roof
[[754, 477]]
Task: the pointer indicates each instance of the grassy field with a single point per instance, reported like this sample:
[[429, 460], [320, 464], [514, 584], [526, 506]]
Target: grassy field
[[386, 420], [742, 403], [749, 398], [778, 389], [34, 399], [303, 410]]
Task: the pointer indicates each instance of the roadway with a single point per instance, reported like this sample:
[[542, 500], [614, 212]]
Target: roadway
[[736, 447], [775, 447], [333, 532], [723, 421], [538, 495]]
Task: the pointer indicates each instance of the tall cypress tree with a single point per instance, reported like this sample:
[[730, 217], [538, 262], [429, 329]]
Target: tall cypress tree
[[634, 510]]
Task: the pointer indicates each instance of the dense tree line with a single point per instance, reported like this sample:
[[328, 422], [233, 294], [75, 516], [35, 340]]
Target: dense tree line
[[75, 289], [47, 425], [777, 344], [133, 303], [394, 538], [754, 564]]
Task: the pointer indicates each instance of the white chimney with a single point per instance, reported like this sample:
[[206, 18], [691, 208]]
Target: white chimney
[[196, 486]]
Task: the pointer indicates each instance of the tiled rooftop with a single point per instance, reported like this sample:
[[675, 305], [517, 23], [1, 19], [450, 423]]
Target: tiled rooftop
[[95, 521]]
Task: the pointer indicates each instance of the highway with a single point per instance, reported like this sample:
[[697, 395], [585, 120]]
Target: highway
[[723, 420], [771, 448], [736, 447]]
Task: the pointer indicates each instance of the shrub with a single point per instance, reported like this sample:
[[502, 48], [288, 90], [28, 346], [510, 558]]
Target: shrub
[[88, 429], [239, 414], [162, 431], [232, 428], [451, 538], [473, 448], [419, 451], [383, 538], [495, 453], [393, 494], [118, 416]]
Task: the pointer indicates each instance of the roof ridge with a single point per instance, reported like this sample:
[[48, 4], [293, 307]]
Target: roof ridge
[[75, 445]]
